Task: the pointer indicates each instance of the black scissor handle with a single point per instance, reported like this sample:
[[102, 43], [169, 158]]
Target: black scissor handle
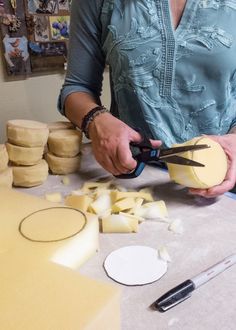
[[146, 152], [142, 159]]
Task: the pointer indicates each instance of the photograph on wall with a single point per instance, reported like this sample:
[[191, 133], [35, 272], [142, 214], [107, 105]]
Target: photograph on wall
[[1, 7], [49, 7], [59, 26], [48, 48], [16, 53], [63, 5], [41, 28], [47, 55]]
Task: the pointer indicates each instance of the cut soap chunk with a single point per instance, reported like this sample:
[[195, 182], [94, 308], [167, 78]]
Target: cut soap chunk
[[120, 223], [78, 202], [214, 171], [27, 133]]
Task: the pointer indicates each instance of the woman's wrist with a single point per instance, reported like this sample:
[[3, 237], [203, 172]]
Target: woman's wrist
[[90, 117]]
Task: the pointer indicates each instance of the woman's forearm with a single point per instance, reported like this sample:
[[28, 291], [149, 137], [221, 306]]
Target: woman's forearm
[[77, 105]]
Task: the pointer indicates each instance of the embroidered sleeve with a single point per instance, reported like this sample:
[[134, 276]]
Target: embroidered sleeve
[[85, 59]]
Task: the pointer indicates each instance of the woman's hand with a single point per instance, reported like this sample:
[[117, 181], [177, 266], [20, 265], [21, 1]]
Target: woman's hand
[[228, 143], [111, 143]]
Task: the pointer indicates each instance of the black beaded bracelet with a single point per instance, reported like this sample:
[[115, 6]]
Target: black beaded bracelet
[[89, 117]]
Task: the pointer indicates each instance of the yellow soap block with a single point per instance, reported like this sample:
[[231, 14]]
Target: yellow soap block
[[38, 295], [123, 204], [93, 185], [152, 210], [116, 195], [80, 202], [214, 171], [101, 204], [120, 223], [45, 230]]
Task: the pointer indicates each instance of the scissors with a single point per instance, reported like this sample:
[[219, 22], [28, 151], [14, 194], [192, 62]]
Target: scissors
[[149, 155]]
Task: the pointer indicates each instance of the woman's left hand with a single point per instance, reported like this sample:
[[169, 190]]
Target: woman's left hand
[[228, 143]]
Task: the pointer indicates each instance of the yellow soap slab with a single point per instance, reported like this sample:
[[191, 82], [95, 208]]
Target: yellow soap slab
[[46, 230], [38, 295], [214, 171]]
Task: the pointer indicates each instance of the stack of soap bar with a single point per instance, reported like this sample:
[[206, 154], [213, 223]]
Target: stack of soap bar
[[25, 147], [64, 148], [6, 176], [214, 171]]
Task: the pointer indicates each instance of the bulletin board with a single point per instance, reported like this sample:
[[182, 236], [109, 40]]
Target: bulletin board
[[34, 34]]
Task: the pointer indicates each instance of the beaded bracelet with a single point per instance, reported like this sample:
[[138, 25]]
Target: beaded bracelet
[[89, 117]]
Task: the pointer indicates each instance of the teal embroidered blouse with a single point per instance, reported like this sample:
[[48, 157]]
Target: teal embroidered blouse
[[175, 84]]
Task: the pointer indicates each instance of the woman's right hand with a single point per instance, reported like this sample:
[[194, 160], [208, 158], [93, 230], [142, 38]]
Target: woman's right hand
[[111, 143]]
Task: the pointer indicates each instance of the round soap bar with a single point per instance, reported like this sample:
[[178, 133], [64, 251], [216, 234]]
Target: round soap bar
[[27, 133], [3, 157], [212, 174], [62, 165], [6, 178], [52, 224], [65, 143], [24, 155], [30, 176], [60, 125]]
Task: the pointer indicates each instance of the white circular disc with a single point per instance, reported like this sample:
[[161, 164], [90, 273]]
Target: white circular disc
[[135, 265]]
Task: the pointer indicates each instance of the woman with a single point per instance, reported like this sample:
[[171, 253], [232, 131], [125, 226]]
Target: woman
[[173, 73]]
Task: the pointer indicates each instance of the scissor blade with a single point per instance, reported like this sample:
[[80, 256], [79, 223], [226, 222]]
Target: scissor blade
[[181, 161], [176, 150]]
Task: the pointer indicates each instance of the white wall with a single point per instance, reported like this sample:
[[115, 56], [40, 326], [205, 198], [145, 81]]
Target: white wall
[[33, 98]]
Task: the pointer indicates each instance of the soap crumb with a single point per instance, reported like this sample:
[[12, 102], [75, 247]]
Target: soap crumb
[[53, 197], [65, 180], [176, 226], [163, 254]]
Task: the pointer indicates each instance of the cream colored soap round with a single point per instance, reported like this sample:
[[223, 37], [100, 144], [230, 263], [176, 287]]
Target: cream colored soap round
[[65, 143], [57, 125], [30, 176], [3, 157], [212, 174], [62, 165], [6, 178], [27, 133], [24, 155]]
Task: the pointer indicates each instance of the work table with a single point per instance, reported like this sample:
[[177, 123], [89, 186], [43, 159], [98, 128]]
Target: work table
[[209, 236]]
